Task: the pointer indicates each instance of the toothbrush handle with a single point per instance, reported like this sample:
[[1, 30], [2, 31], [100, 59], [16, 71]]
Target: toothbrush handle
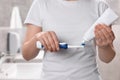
[[61, 45]]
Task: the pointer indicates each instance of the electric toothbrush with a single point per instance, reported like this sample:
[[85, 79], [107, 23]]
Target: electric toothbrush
[[61, 45]]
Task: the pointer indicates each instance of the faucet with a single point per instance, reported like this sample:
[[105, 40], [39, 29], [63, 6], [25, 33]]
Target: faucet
[[5, 57], [1, 55], [3, 74]]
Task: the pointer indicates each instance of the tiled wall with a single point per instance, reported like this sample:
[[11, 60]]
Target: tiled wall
[[6, 9]]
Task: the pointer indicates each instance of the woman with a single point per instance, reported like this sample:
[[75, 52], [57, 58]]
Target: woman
[[54, 21]]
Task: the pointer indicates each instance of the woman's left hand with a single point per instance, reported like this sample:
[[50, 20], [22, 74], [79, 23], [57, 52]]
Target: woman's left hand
[[104, 35]]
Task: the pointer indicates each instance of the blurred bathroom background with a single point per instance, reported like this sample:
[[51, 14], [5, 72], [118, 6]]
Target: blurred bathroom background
[[12, 31]]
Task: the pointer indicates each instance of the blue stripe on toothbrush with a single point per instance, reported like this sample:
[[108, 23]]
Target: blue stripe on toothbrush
[[63, 46]]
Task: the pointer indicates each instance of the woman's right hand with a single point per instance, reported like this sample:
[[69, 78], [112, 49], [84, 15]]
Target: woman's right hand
[[49, 40]]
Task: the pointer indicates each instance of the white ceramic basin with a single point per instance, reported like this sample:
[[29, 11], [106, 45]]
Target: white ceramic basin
[[21, 71]]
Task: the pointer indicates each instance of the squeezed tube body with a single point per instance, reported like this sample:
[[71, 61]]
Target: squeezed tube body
[[107, 18]]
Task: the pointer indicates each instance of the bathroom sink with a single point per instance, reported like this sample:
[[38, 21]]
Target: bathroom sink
[[9, 60], [21, 71], [19, 59]]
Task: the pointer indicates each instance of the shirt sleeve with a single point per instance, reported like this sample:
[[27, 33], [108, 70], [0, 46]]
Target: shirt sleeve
[[34, 14]]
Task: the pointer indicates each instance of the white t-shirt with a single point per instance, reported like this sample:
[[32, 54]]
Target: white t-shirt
[[70, 20]]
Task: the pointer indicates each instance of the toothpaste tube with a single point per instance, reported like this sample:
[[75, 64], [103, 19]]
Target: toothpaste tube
[[107, 18]]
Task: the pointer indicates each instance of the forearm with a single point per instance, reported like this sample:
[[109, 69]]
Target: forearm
[[29, 49], [106, 54]]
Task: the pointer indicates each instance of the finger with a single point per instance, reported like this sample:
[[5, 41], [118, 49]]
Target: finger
[[97, 36], [51, 42], [109, 30], [96, 32], [43, 42], [48, 47], [100, 33], [106, 34], [56, 42]]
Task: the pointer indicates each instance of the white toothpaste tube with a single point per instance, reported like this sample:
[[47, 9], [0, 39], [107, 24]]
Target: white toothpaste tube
[[107, 18]]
